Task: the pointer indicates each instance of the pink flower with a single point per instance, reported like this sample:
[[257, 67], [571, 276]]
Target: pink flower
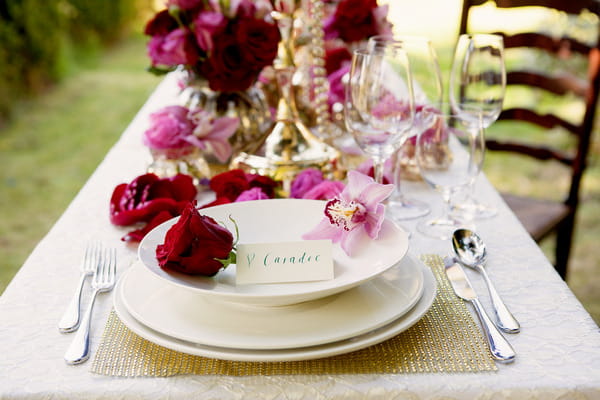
[[254, 193], [213, 133], [304, 181], [356, 211], [169, 128], [176, 126], [356, 20], [390, 106], [325, 190], [227, 43], [337, 88], [206, 26], [175, 48]]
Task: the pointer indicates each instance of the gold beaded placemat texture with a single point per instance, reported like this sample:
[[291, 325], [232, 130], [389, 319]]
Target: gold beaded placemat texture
[[446, 339]]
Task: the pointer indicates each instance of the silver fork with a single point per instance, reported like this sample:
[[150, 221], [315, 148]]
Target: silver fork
[[70, 319], [103, 281]]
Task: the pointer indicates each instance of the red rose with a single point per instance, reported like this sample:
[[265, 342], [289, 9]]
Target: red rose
[[148, 195], [226, 70], [195, 244], [335, 58], [265, 183], [161, 24], [229, 184], [260, 40], [353, 21]]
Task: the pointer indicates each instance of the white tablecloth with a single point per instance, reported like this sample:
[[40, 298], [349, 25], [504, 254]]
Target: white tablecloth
[[558, 348]]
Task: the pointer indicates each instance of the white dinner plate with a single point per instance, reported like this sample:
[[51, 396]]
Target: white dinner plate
[[281, 220], [186, 315], [303, 353]]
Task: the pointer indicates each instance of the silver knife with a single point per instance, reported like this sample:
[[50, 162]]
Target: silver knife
[[501, 350]]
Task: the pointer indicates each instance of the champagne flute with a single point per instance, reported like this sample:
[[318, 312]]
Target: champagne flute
[[477, 86], [379, 104], [428, 94], [449, 154]]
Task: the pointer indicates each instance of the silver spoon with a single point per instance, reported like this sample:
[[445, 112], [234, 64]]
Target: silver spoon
[[472, 253]]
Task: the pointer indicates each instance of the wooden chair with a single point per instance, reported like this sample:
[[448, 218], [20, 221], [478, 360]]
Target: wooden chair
[[541, 217]]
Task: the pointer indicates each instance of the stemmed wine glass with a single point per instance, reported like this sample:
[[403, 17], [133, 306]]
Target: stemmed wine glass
[[428, 94], [379, 104], [477, 86], [449, 154]]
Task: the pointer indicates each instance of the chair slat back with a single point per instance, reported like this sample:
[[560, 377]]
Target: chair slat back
[[566, 83]]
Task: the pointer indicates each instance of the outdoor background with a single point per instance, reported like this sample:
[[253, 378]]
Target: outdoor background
[[58, 120]]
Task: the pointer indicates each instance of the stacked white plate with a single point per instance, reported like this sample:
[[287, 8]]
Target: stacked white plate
[[376, 294]]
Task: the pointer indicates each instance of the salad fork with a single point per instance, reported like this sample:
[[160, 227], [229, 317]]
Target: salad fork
[[103, 281], [70, 319]]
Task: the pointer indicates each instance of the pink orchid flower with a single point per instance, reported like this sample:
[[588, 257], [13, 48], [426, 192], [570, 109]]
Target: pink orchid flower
[[355, 212], [213, 132]]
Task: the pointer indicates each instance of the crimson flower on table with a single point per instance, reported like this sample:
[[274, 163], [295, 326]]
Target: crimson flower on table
[[149, 200]]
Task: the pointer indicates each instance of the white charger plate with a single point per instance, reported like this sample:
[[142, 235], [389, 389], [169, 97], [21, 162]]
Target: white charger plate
[[281, 220], [186, 315], [304, 353]]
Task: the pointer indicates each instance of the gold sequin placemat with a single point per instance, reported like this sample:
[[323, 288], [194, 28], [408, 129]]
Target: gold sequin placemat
[[446, 339]]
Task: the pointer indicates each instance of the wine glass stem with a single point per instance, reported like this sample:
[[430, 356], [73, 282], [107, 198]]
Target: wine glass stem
[[378, 165]]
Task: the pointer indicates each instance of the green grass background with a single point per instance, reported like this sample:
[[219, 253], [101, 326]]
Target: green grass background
[[55, 142]]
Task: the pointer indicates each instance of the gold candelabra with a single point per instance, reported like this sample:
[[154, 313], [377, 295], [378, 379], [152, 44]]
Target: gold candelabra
[[290, 146]]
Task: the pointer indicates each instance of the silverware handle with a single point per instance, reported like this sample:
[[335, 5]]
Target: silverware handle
[[70, 319], [505, 320], [79, 350], [499, 347]]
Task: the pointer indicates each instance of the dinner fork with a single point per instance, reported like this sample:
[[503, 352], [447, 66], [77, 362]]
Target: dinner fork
[[103, 281], [70, 319]]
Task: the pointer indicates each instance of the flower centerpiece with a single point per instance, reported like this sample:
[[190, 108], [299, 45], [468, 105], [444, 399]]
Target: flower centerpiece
[[228, 43], [222, 47], [347, 24]]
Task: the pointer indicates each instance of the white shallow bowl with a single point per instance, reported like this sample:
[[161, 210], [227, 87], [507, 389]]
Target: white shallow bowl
[[281, 220], [302, 353], [186, 315]]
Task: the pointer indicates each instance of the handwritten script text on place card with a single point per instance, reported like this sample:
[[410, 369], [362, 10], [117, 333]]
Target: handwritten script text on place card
[[301, 261]]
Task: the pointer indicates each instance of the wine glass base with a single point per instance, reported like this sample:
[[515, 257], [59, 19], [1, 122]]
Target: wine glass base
[[441, 228], [403, 209], [475, 210]]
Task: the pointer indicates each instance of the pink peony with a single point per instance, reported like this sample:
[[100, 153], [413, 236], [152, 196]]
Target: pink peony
[[254, 193], [169, 128], [175, 48], [206, 26], [304, 181]]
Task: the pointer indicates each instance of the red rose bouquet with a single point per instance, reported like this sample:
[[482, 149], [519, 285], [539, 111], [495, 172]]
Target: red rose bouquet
[[226, 42], [196, 245]]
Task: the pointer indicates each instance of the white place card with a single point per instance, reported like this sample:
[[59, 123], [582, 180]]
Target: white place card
[[302, 261]]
